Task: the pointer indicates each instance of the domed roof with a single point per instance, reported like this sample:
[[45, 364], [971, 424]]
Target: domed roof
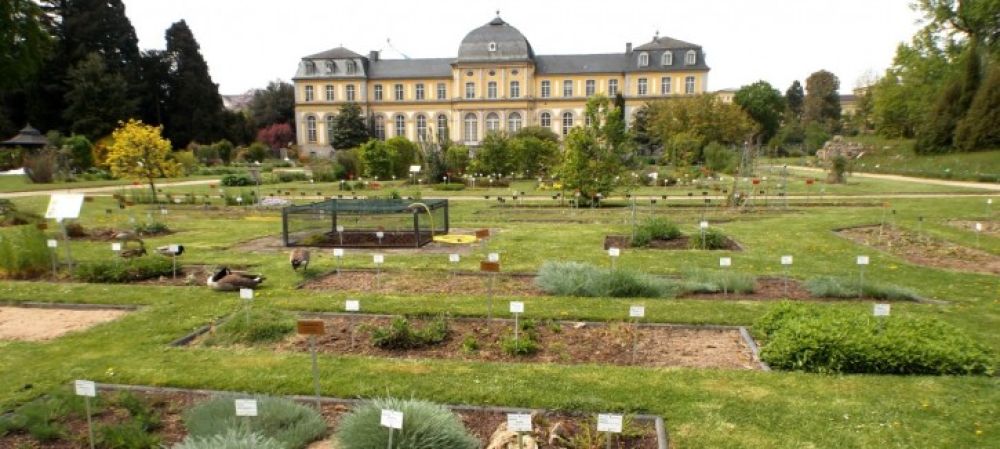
[[510, 44]]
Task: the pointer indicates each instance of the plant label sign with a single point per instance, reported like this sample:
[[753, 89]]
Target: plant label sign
[[246, 407], [52, 243], [609, 423], [482, 233], [352, 305], [246, 293], [173, 249], [454, 258], [614, 252], [379, 235], [862, 260], [519, 422], [979, 227], [725, 261], [516, 307], [414, 169], [379, 259], [116, 247], [882, 309], [637, 311], [340, 228], [311, 327], [338, 252], [489, 267], [392, 419], [493, 257], [786, 260], [85, 388], [64, 205], [703, 225]]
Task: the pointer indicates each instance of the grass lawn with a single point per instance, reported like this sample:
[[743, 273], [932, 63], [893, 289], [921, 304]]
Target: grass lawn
[[703, 408]]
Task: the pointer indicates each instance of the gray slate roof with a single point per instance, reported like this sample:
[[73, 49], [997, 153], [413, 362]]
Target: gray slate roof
[[511, 44], [410, 68], [664, 43], [598, 63], [334, 53], [28, 136]]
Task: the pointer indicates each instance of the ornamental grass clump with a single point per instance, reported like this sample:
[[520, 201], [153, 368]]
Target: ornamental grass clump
[[24, 253], [578, 279], [655, 229], [837, 287], [707, 281], [120, 271], [291, 424], [231, 439], [262, 326], [425, 426]]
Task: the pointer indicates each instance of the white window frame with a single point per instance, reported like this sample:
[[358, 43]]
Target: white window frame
[[545, 120], [691, 58], [546, 89], [421, 127], [310, 93], [590, 88], [667, 58], [330, 92], [442, 91], [379, 127], [492, 122], [378, 94], [567, 122], [349, 92], [470, 91], [689, 85], [399, 94], [471, 127], [642, 86], [330, 121], [612, 87], [442, 124], [351, 67], [311, 129], [331, 67], [515, 89], [399, 125], [567, 88], [514, 122], [666, 85], [419, 91], [491, 89], [643, 59], [492, 47]]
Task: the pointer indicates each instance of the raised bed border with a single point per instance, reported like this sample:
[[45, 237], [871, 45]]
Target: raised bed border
[[70, 306]]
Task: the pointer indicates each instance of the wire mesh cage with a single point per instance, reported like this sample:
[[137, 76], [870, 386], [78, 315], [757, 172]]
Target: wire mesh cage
[[369, 223]]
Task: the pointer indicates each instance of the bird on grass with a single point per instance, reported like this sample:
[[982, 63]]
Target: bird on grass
[[299, 258], [227, 281]]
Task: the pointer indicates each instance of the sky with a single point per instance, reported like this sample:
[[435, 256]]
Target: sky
[[250, 42]]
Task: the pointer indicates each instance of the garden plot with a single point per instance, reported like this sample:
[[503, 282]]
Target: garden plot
[[923, 250], [680, 243], [991, 228], [39, 324], [273, 244]]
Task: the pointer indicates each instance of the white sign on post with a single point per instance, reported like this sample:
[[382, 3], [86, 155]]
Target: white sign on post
[[979, 227], [246, 293], [173, 249], [786, 260], [519, 422], [246, 407], [340, 228], [493, 257], [52, 243], [64, 205], [703, 225], [116, 247], [725, 262], [637, 311], [614, 252], [516, 307], [352, 305], [379, 234], [379, 259], [414, 169], [338, 252], [881, 309], [454, 258], [85, 388], [862, 260], [609, 423], [392, 419]]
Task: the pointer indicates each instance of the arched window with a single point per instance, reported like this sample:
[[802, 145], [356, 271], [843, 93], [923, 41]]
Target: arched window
[[349, 92], [514, 122], [471, 125], [330, 121], [421, 127], [311, 128], [491, 89], [310, 68], [667, 58], [691, 58], [546, 120], [567, 122], [379, 127], [400, 125], [492, 46], [492, 122], [643, 59], [442, 128]]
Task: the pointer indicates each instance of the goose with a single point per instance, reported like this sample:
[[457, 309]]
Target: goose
[[226, 280], [299, 258], [130, 253]]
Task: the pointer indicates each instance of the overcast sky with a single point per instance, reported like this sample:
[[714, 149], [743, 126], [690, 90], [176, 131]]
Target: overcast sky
[[249, 42]]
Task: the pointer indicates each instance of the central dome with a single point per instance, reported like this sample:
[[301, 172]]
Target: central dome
[[495, 41]]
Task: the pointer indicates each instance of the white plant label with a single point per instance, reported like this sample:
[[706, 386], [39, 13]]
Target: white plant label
[[340, 228], [163, 212], [246, 293], [786, 260], [454, 258], [173, 249], [862, 260], [246, 407], [352, 305], [989, 201], [392, 419], [703, 225], [637, 311], [609, 423], [516, 307], [64, 205], [614, 252], [338, 252], [725, 262], [379, 259], [52, 243], [881, 309], [414, 169], [85, 388], [519, 422], [979, 227], [116, 247], [493, 257], [379, 234]]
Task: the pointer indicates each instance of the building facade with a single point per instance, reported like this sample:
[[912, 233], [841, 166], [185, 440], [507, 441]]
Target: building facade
[[496, 83]]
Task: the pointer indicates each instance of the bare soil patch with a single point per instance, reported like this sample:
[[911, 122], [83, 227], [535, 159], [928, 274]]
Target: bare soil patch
[[37, 324], [680, 243], [273, 244], [990, 227], [431, 283], [924, 250]]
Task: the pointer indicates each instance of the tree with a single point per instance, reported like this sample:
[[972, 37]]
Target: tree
[[276, 136], [349, 128], [794, 97], [702, 118], [140, 152], [273, 104], [533, 156], [595, 154], [402, 154], [154, 89], [456, 159], [645, 140], [79, 151], [538, 132], [375, 159], [494, 155], [194, 107], [822, 101], [224, 150], [765, 106], [97, 99], [980, 129], [26, 42]]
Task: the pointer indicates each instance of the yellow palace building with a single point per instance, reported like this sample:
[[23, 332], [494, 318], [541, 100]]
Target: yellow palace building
[[497, 83]]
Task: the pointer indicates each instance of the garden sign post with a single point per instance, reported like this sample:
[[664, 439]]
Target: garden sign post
[[725, 263], [352, 306], [338, 253], [63, 206], [516, 308], [392, 419], [881, 312], [862, 262], [786, 262], [614, 253], [246, 294], [703, 226], [491, 266], [245, 408], [519, 422], [379, 259], [340, 234], [54, 254], [87, 389], [173, 250], [312, 328], [636, 313], [454, 258], [609, 424]]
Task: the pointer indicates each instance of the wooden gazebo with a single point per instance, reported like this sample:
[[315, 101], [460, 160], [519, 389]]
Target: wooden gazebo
[[28, 138]]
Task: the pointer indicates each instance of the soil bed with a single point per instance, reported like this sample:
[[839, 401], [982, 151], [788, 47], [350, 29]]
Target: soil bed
[[924, 250], [558, 342], [108, 234], [356, 239], [38, 324], [991, 228], [680, 243], [272, 244]]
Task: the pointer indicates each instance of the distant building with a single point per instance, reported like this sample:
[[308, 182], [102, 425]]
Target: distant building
[[726, 96], [849, 102], [238, 102], [496, 83]]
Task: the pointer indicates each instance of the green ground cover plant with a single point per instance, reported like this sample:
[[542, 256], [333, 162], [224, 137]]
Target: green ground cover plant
[[710, 239], [425, 426], [259, 325], [400, 334], [291, 424], [839, 287], [655, 228], [118, 271], [579, 279], [718, 281]]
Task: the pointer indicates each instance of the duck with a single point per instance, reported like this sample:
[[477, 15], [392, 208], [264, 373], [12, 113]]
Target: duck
[[227, 281], [299, 258], [165, 250], [131, 253]]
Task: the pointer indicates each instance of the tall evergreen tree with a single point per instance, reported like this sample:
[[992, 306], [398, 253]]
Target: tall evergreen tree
[[25, 41], [154, 87], [194, 107], [349, 128], [980, 129], [794, 98], [97, 99], [274, 104], [822, 101]]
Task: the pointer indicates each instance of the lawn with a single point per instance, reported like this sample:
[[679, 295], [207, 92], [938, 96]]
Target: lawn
[[703, 408]]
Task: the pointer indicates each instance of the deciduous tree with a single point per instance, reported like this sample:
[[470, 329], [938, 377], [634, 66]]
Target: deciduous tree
[[822, 101], [273, 104], [595, 154], [139, 151], [765, 106]]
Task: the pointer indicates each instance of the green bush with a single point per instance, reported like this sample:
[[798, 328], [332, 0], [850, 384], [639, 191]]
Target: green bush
[[707, 281], [236, 181], [655, 229], [836, 287], [291, 424], [265, 326], [710, 239], [401, 335], [523, 346], [40, 419], [844, 341], [24, 253], [578, 279], [231, 439], [10, 215], [121, 271], [151, 228], [450, 187], [425, 426], [125, 435]]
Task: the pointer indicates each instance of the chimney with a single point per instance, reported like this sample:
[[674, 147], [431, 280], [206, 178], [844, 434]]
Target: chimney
[[373, 55], [628, 47]]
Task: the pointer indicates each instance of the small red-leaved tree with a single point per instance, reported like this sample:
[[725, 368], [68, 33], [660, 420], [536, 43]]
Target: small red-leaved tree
[[276, 136]]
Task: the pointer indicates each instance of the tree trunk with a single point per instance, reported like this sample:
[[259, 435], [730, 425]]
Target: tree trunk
[[152, 189]]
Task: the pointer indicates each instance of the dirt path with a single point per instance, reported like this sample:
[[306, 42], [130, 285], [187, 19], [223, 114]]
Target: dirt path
[[931, 181], [29, 324], [107, 189]]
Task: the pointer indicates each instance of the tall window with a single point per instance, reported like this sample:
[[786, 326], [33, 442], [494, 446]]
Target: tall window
[[311, 128], [310, 68], [378, 92], [470, 90], [400, 125], [492, 122], [309, 93], [329, 92], [643, 86], [591, 87], [399, 92], [379, 127], [643, 59], [351, 67], [349, 92], [421, 127], [612, 87], [491, 89], [666, 85], [689, 85], [567, 122], [330, 120], [420, 91], [567, 88], [442, 128], [513, 122], [442, 91], [546, 120], [515, 89], [667, 58], [691, 58], [546, 89], [471, 125], [330, 67]]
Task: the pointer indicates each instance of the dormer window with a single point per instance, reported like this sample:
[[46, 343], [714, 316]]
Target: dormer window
[[691, 58], [667, 59], [492, 46], [330, 67], [643, 59], [310, 68], [351, 67]]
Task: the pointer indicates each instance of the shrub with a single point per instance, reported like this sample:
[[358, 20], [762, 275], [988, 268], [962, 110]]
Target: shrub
[[707, 281], [150, 228], [843, 341], [655, 229], [628, 284], [400, 335], [264, 326], [256, 152], [578, 279], [24, 253], [425, 426], [236, 180], [710, 239], [43, 418], [450, 187], [231, 439], [126, 435], [523, 346], [41, 166], [291, 424], [119, 271], [835, 287]]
